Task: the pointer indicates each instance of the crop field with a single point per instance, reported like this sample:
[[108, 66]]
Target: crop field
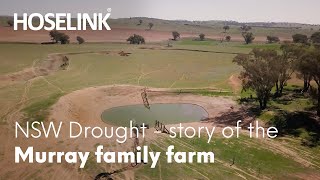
[[164, 68]]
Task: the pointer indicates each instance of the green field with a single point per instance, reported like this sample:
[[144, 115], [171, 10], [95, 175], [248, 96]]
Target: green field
[[145, 67]]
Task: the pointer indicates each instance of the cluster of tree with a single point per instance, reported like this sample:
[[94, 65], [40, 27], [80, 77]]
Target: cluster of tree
[[246, 34], [264, 69], [175, 35], [303, 39], [273, 39], [136, 39], [57, 37]]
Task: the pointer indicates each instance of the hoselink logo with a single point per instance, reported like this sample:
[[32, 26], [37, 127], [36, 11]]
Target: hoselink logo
[[62, 21]]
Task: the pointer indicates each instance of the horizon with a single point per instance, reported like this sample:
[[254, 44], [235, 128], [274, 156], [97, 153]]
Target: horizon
[[218, 20], [246, 11]]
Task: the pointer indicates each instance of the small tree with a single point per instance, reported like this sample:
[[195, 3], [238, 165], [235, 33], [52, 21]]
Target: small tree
[[80, 40], [136, 39], [300, 38], [10, 23], [248, 37], [140, 21], [273, 39], [259, 73], [150, 25], [228, 38], [202, 36], [315, 37], [175, 35], [226, 28], [245, 28]]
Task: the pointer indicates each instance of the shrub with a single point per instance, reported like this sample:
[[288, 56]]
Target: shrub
[[80, 40], [175, 35], [228, 38], [273, 39], [280, 122], [136, 39], [300, 38], [315, 37], [309, 139], [10, 23], [201, 36]]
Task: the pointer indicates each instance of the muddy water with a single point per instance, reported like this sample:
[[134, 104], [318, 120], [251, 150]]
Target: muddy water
[[165, 113]]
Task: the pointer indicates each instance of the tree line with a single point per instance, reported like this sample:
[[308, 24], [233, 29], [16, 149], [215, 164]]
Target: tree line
[[265, 69]]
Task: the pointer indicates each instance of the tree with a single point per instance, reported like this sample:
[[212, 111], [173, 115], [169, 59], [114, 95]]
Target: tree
[[80, 40], [315, 37], [228, 38], [273, 39], [226, 28], [136, 39], [150, 25], [259, 73], [140, 21], [10, 23], [314, 67], [175, 35], [245, 28], [301, 63], [300, 38], [202, 36], [284, 68], [248, 37]]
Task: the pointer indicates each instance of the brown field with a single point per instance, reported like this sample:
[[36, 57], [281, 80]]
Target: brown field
[[7, 34]]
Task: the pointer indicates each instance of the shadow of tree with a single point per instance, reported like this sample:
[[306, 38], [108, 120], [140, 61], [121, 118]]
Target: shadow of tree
[[230, 118]]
